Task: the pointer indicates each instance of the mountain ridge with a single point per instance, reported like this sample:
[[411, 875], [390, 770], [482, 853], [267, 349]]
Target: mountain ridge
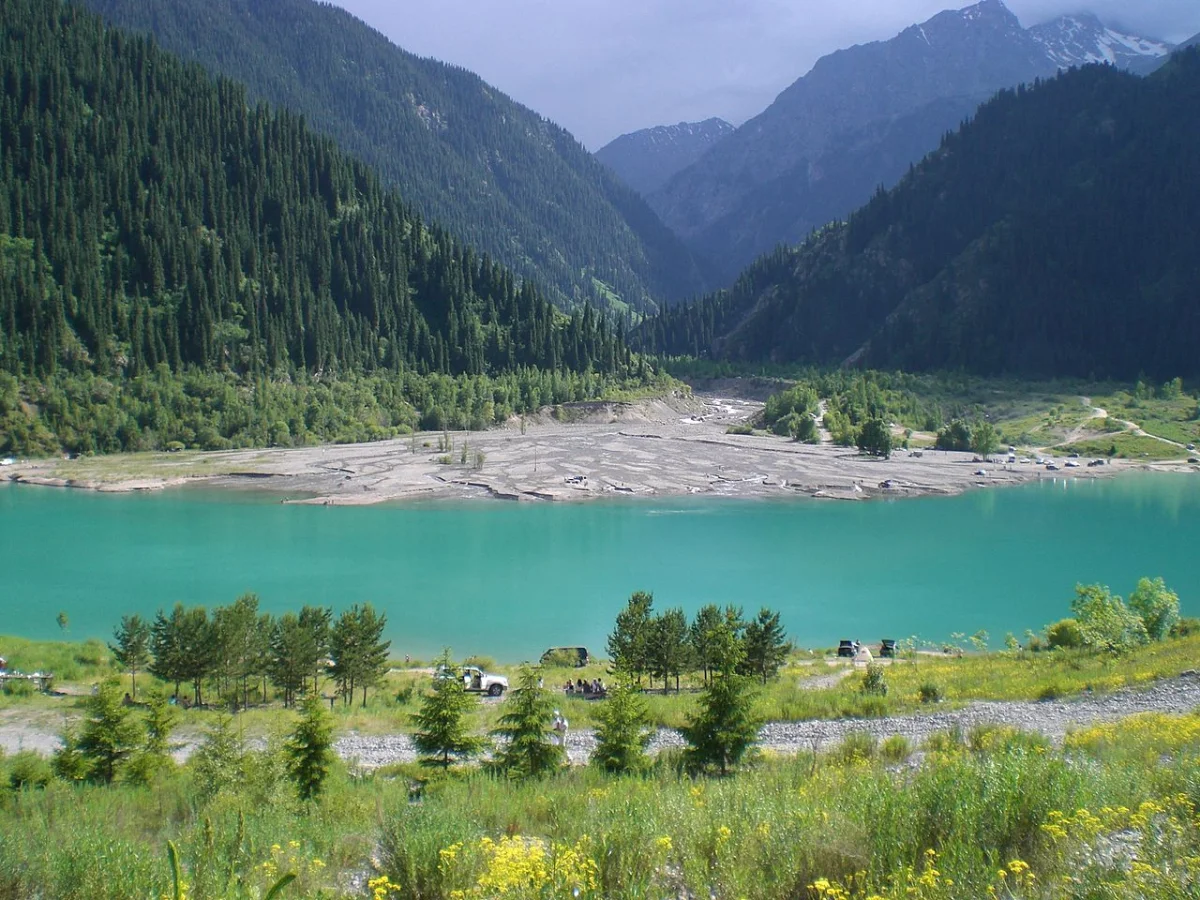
[[964, 55], [1052, 235], [646, 159]]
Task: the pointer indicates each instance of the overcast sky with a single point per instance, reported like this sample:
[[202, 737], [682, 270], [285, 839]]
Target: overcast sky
[[601, 68]]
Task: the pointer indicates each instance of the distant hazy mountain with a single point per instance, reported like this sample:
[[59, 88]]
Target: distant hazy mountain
[[496, 174], [1055, 234], [646, 159], [861, 116]]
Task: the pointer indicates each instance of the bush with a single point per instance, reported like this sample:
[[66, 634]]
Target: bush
[[1065, 634], [1050, 692], [739, 429], [1185, 627], [18, 688], [929, 693], [857, 746], [28, 770], [874, 681], [895, 749], [949, 741], [482, 662]]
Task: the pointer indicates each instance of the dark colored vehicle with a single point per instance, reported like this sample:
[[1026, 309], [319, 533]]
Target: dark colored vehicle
[[573, 656], [887, 649], [847, 648]]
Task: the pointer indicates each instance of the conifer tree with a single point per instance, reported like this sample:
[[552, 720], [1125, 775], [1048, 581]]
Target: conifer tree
[[131, 649], [525, 726], [726, 724], [623, 731], [110, 734], [444, 732], [628, 645], [310, 749], [766, 646]]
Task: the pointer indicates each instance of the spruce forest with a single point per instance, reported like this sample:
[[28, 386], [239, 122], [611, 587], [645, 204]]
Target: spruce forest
[[1053, 235], [498, 176], [178, 264]]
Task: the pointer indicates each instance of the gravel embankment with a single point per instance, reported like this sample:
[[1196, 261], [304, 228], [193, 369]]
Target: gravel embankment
[[1051, 718]]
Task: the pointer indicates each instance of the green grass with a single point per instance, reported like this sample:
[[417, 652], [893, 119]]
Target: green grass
[[779, 825], [70, 661], [1128, 446]]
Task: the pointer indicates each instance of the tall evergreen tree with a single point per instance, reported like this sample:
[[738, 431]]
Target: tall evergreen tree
[[766, 646], [628, 645], [131, 647]]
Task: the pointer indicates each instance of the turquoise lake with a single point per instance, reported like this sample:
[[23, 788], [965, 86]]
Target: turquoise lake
[[508, 580]]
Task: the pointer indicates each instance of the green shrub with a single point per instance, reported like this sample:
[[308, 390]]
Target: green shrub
[[857, 746], [18, 688], [1185, 627], [948, 741], [28, 770], [1050, 692], [1065, 634], [929, 693], [874, 681], [739, 429], [895, 749]]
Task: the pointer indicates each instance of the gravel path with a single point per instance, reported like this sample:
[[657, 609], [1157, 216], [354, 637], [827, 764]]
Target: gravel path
[[1051, 718]]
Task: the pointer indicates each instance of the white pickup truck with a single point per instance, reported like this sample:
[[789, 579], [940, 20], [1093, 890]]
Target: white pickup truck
[[475, 680]]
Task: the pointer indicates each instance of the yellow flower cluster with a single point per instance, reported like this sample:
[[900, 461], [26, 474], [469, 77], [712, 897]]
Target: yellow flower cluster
[[382, 887], [1155, 733], [519, 867], [288, 859]]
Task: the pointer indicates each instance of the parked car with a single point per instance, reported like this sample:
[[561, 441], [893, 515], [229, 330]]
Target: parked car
[[887, 649], [1072, 464], [475, 680], [847, 648]]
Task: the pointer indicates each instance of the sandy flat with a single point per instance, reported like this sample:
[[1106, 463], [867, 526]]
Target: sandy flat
[[672, 446]]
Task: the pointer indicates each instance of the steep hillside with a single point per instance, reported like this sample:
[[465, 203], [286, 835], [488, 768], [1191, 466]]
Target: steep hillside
[[645, 160], [154, 224], [885, 105], [497, 175], [1055, 234]]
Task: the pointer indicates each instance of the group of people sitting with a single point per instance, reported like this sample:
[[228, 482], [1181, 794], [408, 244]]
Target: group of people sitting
[[593, 688]]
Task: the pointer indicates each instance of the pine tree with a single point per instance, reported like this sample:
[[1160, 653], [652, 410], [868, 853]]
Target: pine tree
[[444, 734], [623, 731], [766, 646], [726, 725], [309, 750], [131, 649], [525, 728], [628, 645], [110, 734]]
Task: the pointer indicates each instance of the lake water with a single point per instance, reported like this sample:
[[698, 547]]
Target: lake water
[[508, 580]]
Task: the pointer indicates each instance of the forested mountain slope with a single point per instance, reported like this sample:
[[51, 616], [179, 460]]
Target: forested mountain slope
[[1055, 234], [861, 116], [497, 175], [155, 225]]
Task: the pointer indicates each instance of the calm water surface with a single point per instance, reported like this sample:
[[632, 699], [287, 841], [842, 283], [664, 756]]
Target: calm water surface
[[508, 580]]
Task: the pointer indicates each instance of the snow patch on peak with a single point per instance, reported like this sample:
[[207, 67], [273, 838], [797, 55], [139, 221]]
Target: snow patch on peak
[[1082, 39]]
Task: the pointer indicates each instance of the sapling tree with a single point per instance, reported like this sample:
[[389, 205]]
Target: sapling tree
[[527, 751], [110, 734], [623, 730], [726, 725], [444, 734], [309, 749], [1158, 606]]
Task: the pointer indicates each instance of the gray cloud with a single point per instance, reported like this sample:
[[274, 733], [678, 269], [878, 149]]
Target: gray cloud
[[604, 67]]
